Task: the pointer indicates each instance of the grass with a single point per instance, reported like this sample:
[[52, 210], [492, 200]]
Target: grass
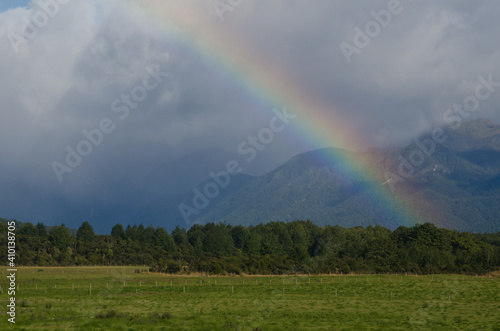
[[119, 298]]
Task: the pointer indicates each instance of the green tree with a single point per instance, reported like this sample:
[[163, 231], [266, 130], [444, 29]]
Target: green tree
[[218, 239], [181, 241], [148, 235], [118, 232], [60, 237], [240, 236], [131, 232], [85, 233], [41, 231], [196, 237], [162, 239], [299, 242], [254, 244], [27, 229]]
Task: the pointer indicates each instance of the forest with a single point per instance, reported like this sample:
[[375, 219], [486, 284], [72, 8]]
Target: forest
[[272, 248]]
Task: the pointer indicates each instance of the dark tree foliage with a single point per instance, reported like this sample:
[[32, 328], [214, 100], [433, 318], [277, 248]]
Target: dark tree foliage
[[272, 248], [118, 232], [28, 230], [41, 231], [60, 237], [85, 233]]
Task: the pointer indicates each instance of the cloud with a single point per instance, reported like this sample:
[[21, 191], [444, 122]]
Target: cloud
[[65, 79]]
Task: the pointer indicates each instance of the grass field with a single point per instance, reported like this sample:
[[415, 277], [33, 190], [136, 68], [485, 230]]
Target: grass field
[[119, 298]]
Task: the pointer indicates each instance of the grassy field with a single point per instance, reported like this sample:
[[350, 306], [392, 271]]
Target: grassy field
[[119, 298]]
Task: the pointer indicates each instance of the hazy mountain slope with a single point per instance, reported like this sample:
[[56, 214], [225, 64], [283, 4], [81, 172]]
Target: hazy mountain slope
[[457, 186], [474, 135], [309, 186]]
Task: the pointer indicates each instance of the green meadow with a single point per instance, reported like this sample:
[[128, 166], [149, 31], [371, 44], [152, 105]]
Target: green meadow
[[122, 298]]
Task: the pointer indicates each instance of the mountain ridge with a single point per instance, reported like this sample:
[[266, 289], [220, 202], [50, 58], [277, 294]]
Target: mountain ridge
[[457, 186]]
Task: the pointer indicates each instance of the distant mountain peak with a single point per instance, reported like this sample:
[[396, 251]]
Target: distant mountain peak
[[476, 134], [480, 125]]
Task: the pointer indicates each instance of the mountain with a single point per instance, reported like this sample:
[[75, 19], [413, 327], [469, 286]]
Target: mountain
[[453, 183], [309, 186], [474, 135]]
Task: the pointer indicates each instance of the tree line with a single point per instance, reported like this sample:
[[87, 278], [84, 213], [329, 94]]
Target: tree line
[[270, 248]]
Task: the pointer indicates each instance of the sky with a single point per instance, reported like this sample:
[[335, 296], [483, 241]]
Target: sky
[[11, 4], [386, 71]]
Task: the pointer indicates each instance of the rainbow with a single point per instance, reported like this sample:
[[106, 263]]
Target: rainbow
[[197, 28]]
